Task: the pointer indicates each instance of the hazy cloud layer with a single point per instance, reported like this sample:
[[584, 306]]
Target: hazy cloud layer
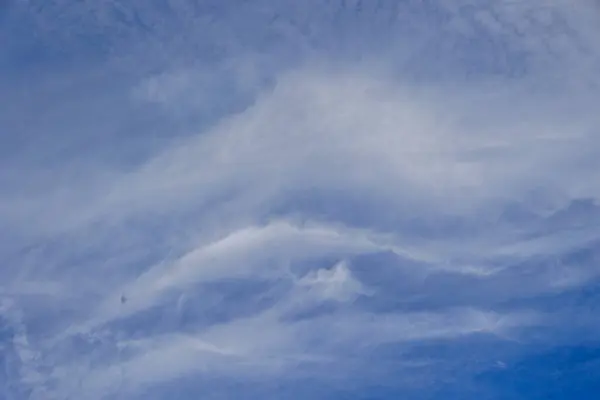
[[204, 198]]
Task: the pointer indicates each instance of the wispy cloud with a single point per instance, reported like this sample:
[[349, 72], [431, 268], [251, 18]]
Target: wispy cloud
[[272, 213]]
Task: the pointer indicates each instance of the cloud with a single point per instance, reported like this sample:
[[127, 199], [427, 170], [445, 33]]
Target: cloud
[[250, 253], [263, 347], [336, 283], [261, 216]]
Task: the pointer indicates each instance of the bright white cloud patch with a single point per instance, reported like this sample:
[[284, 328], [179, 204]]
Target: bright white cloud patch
[[326, 193], [336, 283]]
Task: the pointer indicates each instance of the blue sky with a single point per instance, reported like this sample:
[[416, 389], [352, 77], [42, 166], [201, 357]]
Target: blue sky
[[299, 200]]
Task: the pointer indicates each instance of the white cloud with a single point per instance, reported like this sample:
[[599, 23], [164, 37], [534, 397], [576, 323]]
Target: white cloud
[[336, 283], [250, 253], [332, 164], [265, 346]]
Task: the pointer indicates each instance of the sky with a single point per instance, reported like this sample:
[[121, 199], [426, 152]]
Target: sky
[[332, 199]]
